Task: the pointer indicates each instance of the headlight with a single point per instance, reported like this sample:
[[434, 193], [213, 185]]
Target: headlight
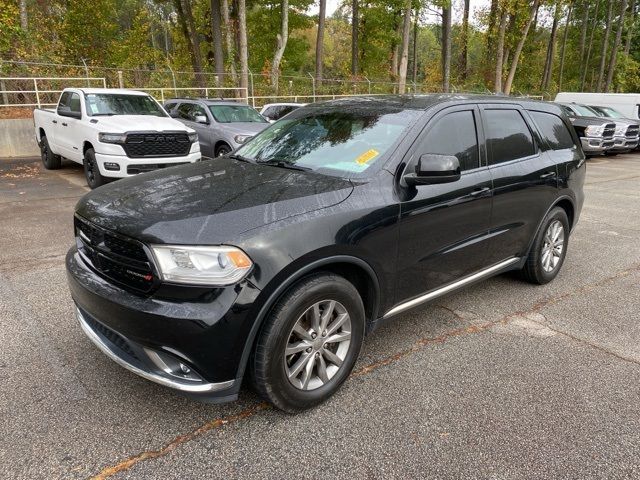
[[112, 137], [242, 138], [219, 266], [594, 130], [193, 137], [620, 131]]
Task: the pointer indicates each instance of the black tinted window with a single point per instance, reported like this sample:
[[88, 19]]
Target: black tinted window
[[553, 130], [508, 136], [74, 103], [454, 134], [169, 106], [185, 111]]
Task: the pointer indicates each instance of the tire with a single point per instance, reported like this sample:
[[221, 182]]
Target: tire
[[222, 150], [49, 159], [91, 170], [271, 366], [611, 154], [539, 268]]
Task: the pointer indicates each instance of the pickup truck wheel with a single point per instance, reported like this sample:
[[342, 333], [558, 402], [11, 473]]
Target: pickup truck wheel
[[223, 150], [49, 159], [91, 170], [309, 343], [549, 248]]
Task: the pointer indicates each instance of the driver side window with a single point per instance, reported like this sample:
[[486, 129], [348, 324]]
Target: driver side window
[[454, 134]]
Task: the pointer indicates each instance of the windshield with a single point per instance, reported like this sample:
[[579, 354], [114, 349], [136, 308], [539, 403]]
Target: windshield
[[331, 140], [122, 104], [584, 111], [236, 114], [609, 112]]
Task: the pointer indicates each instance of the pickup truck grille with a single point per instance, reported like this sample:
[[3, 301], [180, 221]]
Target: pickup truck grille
[[632, 131], [141, 145], [117, 258], [609, 130]]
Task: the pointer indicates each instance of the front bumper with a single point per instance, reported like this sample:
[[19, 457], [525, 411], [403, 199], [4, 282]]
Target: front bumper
[[596, 144], [132, 166], [623, 144], [203, 329]]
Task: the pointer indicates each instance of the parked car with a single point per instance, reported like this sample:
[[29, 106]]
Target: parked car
[[275, 111], [279, 258], [113, 133], [627, 134], [222, 125], [627, 103], [596, 134]]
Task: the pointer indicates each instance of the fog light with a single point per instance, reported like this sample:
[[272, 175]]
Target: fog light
[[184, 369], [112, 166]]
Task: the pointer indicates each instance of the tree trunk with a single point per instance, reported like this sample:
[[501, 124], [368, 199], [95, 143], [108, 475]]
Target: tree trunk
[[216, 33], [404, 56], [242, 40], [564, 46], [605, 47], [584, 24], [415, 47], [320, 41], [228, 36], [24, 19], [632, 11], [194, 54], [281, 38], [355, 21], [464, 40], [519, 47], [446, 47], [200, 78], [395, 53], [551, 47], [585, 65], [616, 46], [497, 83]]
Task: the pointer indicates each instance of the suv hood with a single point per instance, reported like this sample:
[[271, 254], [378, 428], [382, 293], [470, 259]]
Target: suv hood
[[586, 121], [137, 123], [209, 202]]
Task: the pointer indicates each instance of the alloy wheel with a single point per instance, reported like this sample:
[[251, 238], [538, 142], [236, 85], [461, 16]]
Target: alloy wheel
[[317, 345], [552, 246]]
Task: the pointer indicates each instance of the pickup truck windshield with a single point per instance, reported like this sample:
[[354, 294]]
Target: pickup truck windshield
[[333, 142], [235, 114], [121, 104], [608, 112]]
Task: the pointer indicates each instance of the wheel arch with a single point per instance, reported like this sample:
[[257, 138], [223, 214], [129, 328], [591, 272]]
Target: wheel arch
[[567, 204], [354, 269], [218, 144], [86, 145]]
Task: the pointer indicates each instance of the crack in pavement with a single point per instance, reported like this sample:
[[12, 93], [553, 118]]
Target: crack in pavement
[[415, 347]]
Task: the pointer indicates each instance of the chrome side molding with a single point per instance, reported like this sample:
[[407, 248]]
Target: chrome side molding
[[487, 272]]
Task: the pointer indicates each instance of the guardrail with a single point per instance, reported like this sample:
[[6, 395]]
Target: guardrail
[[39, 90]]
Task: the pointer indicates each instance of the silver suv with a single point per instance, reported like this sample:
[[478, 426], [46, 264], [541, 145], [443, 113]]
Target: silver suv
[[222, 125]]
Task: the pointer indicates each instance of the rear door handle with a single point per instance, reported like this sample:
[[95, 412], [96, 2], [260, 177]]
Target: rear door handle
[[64, 124], [548, 174], [479, 191], [54, 121]]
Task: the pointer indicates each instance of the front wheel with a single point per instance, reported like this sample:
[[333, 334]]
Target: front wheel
[[91, 170], [223, 150], [309, 343], [549, 248]]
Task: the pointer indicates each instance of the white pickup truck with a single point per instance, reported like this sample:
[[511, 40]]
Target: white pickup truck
[[113, 133]]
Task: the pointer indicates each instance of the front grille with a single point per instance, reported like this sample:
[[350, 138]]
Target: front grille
[[117, 258], [135, 169], [609, 130], [632, 131], [140, 145]]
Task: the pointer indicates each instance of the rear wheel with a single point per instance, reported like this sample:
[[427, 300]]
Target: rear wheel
[[91, 170], [49, 159], [549, 248], [309, 343], [223, 150]]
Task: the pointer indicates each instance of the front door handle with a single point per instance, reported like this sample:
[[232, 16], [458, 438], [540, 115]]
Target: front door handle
[[548, 174], [54, 121], [64, 124], [479, 191]]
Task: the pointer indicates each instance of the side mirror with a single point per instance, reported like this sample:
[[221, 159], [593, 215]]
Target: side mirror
[[434, 168], [201, 119], [173, 113]]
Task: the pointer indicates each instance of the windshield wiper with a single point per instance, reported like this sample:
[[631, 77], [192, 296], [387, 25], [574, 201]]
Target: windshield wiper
[[283, 164], [103, 114], [240, 158]]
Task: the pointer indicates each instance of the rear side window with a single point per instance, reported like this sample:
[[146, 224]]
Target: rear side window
[[508, 137], [553, 130], [454, 134]]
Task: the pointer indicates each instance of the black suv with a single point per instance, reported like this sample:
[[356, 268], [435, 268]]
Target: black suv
[[277, 260]]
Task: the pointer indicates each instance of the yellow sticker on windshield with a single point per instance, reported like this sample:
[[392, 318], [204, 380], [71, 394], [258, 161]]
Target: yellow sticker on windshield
[[367, 156]]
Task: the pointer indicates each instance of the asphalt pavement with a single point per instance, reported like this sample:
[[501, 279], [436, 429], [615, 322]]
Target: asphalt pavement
[[504, 380]]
